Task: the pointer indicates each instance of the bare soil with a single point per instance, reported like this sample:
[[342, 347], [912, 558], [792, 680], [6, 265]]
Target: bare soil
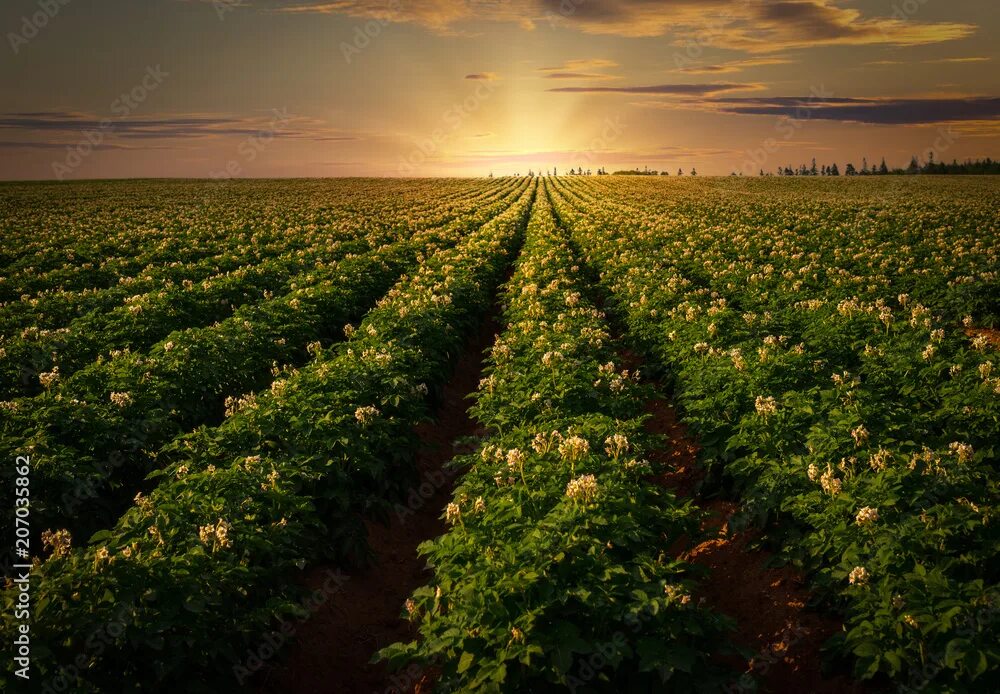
[[992, 335], [769, 604], [332, 651]]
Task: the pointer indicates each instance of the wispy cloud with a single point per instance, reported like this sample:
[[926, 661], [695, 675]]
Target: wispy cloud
[[758, 27], [486, 76], [969, 59], [884, 111], [578, 76], [580, 64], [70, 125], [14, 144], [733, 66], [580, 69], [667, 89], [748, 25]]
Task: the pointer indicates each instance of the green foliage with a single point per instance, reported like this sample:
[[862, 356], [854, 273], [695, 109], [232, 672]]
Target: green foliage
[[824, 364]]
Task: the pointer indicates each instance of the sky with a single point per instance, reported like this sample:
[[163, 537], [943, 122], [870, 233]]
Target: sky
[[290, 88]]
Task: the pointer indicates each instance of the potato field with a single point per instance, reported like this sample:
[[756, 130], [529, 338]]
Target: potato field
[[520, 434]]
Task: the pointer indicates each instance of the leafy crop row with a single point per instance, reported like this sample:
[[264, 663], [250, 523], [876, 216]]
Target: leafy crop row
[[144, 318], [96, 435], [203, 566], [862, 430], [95, 235], [556, 569]]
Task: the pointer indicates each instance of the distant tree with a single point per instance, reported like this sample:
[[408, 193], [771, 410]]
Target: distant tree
[[762, 172], [864, 166], [883, 170], [680, 172], [833, 170], [914, 166], [555, 171], [693, 172], [850, 170], [812, 169], [665, 173]]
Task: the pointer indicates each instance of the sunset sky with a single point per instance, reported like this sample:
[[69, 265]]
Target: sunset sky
[[219, 88]]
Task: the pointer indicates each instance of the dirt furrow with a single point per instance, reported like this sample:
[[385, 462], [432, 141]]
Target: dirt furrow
[[769, 603], [333, 648]]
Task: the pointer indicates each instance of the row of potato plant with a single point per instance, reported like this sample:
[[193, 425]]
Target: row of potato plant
[[862, 433], [143, 319], [94, 234], [97, 433], [245, 240], [54, 308], [204, 566], [556, 569]]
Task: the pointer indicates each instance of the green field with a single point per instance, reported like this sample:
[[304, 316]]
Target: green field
[[211, 391]]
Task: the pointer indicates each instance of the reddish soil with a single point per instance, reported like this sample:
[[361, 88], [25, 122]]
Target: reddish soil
[[993, 336], [767, 603], [332, 650]]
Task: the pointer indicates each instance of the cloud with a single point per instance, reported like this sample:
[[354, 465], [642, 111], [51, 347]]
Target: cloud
[[970, 59], [666, 89], [579, 69], [438, 15], [70, 124], [751, 25], [12, 144], [880, 111], [580, 64], [579, 76], [733, 66], [487, 76], [757, 26]]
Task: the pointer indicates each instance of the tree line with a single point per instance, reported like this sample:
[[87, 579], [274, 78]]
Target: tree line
[[985, 166]]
